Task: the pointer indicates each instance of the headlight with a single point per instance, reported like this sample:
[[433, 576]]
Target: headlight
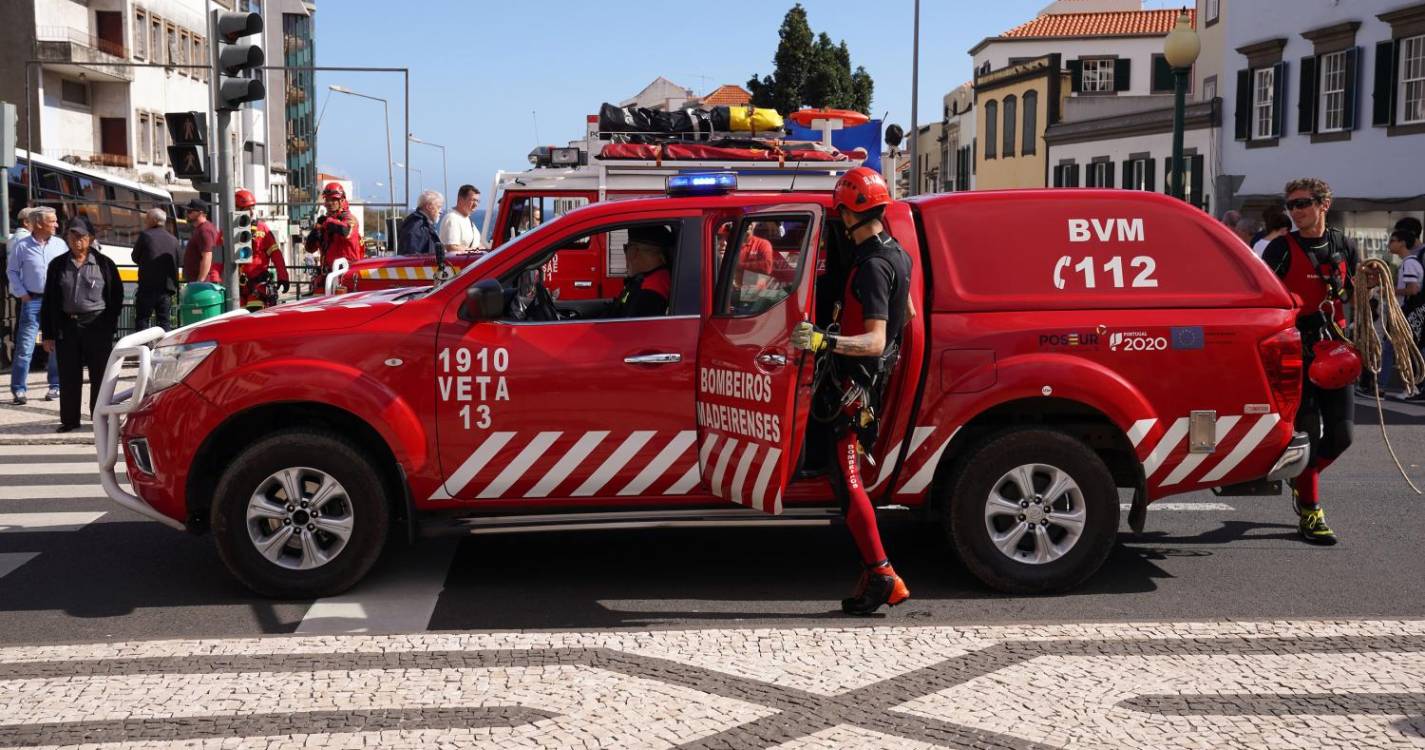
[[171, 364]]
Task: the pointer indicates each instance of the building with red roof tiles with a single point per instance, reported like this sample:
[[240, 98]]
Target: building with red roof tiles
[[726, 95]]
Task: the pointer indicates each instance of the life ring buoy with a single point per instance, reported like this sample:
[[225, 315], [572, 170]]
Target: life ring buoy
[[848, 117]]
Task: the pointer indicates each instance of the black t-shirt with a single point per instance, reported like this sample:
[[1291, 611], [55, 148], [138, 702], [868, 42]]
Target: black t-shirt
[[879, 286], [1278, 254]]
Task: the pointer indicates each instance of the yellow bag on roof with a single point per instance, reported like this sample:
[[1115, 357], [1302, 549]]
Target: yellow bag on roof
[[754, 119]]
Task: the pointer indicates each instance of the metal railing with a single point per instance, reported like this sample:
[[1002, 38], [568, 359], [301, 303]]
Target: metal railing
[[81, 38], [300, 287]]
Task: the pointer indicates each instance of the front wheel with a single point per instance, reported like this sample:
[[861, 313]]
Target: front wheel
[[1033, 511], [300, 514]]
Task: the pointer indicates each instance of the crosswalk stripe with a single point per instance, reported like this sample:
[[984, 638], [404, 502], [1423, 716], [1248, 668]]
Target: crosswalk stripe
[[10, 561], [53, 492], [47, 450], [23, 470], [61, 521]]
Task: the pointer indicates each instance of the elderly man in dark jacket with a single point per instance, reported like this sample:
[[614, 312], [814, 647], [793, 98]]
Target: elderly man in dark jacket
[[83, 298]]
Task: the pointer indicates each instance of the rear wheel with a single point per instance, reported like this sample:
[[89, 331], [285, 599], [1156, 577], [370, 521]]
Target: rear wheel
[[1032, 511], [300, 514]]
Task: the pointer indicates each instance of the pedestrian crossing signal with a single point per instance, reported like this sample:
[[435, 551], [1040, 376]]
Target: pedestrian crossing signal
[[188, 149]]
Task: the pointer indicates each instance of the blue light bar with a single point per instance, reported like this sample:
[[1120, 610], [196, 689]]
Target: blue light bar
[[706, 183]]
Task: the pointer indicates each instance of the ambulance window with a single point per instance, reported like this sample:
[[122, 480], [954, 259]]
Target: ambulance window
[[532, 211], [765, 267]]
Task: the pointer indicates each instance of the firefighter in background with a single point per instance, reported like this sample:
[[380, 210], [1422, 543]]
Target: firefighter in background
[[858, 360], [265, 253], [335, 235]]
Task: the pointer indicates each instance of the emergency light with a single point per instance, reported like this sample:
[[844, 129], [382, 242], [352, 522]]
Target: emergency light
[[706, 183]]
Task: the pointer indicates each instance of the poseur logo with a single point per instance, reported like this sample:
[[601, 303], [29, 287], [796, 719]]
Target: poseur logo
[[1067, 340]]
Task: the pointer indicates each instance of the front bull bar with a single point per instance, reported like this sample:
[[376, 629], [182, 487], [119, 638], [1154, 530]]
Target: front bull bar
[[112, 405]]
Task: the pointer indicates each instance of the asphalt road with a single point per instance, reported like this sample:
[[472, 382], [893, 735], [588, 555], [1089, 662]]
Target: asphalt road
[[69, 574]]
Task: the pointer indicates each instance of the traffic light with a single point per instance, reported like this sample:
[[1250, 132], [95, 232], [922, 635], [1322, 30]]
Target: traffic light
[[242, 237], [238, 63], [188, 145]]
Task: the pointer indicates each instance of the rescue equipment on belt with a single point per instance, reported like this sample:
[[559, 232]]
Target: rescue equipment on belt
[[1409, 364]]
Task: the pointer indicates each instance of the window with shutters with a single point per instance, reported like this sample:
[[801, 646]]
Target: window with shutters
[[1263, 96], [160, 141], [1097, 75], [991, 123], [1011, 112], [140, 34], [1100, 174], [1138, 175], [1412, 80], [1332, 71], [145, 138], [1029, 143]]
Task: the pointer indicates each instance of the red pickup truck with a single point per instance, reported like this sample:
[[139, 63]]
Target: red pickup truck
[[1070, 344]]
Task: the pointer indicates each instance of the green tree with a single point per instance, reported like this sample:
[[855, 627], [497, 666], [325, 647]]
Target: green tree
[[810, 71]]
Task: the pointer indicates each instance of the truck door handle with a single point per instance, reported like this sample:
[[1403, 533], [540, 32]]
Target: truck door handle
[[662, 358], [772, 359]]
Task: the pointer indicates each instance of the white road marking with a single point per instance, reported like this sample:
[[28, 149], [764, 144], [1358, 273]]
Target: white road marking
[[59, 521], [398, 596], [47, 450], [29, 470], [1182, 506], [568, 463], [53, 492]]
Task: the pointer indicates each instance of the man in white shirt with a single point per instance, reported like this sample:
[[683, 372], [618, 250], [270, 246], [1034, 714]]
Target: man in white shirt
[[457, 231]]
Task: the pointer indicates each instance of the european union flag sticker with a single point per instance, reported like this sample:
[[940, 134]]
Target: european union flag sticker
[[1187, 337]]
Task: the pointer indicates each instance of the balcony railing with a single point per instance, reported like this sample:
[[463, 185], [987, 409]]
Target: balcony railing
[[81, 38], [95, 158]]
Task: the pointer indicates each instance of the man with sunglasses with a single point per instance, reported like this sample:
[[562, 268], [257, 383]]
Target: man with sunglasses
[[1317, 263], [647, 286]]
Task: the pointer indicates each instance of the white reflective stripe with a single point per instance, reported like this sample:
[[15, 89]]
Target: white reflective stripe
[[665, 458], [614, 463], [1139, 430], [892, 457], [739, 477], [922, 478], [520, 465], [721, 468], [568, 463], [759, 491], [1224, 427], [472, 466], [686, 484], [1175, 435], [1249, 443], [705, 452], [409, 272]]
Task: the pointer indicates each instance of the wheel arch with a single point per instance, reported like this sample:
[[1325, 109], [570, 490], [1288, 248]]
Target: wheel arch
[[240, 430]]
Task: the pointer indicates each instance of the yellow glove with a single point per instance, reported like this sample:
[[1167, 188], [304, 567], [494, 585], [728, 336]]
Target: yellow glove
[[806, 336]]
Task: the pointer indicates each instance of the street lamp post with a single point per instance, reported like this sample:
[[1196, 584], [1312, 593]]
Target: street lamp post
[[1180, 49], [420, 176], [386, 109], [444, 177]]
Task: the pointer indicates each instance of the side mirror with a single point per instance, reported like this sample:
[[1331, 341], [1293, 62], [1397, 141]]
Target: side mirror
[[484, 300]]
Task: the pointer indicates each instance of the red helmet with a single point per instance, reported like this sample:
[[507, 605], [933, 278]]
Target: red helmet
[[860, 190], [1336, 364], [243, 200], [333, 190]]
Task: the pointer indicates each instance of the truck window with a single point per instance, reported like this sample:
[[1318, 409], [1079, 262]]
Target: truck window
[[542, 290], [530, 211], [765, 266]]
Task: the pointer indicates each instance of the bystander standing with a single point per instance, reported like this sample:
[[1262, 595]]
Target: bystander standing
[[1246, 230], [156, 255], [457, 232], [1275, 223], [198, 262], [29, 259], [83, 298], [417, 234]]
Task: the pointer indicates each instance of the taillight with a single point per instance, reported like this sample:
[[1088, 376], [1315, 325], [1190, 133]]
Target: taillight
[[1281, 358]]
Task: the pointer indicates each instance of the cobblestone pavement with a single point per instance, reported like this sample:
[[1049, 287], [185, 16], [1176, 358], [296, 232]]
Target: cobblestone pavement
[[1285, 684]]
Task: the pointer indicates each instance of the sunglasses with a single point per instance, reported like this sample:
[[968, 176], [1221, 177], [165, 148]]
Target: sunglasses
[[1301, 203]]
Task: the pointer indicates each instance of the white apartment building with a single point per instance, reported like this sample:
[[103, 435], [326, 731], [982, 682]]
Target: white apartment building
[[1332, 90]]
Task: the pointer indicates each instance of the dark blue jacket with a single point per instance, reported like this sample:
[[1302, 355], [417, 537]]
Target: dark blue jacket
[[417, 236]]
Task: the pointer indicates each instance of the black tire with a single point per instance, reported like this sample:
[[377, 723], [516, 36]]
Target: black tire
[[977, 474], [316, 449]]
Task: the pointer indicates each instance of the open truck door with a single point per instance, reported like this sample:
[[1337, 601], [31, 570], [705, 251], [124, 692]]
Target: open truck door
[[754, 389]]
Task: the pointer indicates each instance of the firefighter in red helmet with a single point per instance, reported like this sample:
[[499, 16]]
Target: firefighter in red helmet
[[335, 236], [858, 358], [265, 253]]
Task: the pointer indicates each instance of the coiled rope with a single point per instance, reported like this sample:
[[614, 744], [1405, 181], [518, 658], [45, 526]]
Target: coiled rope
[[1409, 363]]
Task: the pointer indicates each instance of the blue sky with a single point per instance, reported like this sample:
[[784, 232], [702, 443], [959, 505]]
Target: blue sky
[[482, 73]]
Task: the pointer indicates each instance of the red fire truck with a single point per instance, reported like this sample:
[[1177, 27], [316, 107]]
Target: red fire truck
[[1112, 340]]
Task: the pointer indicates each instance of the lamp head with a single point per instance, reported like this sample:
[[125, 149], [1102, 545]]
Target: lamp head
[[1182, 46]]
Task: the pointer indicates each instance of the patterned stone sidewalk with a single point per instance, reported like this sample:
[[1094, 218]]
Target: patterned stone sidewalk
[[35, 422], [1270, 685]]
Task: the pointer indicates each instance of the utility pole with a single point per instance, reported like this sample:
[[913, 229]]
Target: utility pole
[[915, 107]]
